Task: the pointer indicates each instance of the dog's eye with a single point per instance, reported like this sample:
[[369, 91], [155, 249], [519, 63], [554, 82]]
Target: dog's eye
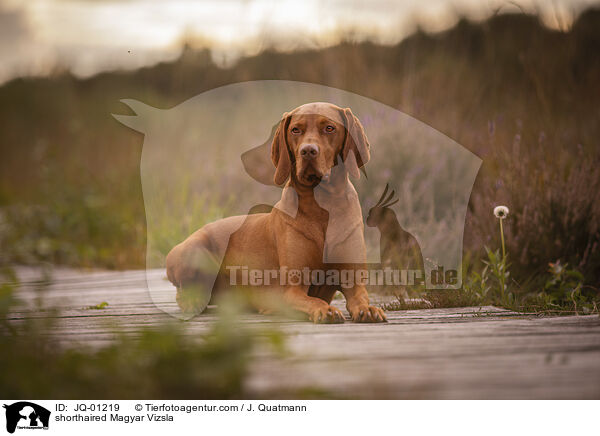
[[295, 131], [330, 129]]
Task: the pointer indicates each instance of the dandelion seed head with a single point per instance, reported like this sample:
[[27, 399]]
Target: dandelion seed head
[[501, 212]]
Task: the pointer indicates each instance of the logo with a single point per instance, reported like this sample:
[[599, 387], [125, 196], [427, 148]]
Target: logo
[[211, 159], [26, 415]]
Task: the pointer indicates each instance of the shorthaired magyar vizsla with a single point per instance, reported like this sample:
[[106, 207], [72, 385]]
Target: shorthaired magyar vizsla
[[317, 224]]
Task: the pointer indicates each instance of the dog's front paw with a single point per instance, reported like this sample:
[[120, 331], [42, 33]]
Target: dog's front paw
[[326, 315], [366, 313]]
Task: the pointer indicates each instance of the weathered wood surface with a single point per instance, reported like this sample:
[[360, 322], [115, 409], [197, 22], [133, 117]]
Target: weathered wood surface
[[474, 352]]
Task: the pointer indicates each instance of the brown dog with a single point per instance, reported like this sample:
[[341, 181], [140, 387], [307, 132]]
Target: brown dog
[[317, 225]]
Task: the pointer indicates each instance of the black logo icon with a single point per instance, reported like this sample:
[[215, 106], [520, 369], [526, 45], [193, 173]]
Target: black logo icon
[[26, 415]]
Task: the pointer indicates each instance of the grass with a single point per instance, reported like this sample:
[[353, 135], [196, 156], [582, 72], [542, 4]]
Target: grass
[[98, 306], [562, 293]]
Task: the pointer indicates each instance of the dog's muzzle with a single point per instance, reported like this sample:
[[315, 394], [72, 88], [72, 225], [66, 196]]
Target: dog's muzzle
[[309, 151]]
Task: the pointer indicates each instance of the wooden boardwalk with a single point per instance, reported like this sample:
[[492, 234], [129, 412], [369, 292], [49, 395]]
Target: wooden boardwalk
[[460, 353]]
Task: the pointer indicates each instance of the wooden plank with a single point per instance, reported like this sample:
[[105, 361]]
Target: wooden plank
[[473, 352]]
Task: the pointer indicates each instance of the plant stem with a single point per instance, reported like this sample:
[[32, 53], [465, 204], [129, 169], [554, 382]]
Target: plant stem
[[502, 264], [502, 239]]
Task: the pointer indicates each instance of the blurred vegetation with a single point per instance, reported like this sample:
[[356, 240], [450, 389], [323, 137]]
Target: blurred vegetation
[[154, 363], [521, 96]]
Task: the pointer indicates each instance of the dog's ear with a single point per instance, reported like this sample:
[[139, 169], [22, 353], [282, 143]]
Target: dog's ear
[[356, 150], [279, 152]]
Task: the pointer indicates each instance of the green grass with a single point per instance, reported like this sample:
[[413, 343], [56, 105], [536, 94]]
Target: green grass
[[560, 291], [98, 306]]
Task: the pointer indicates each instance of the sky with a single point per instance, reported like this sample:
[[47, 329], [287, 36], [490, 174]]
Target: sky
[[90, 36]]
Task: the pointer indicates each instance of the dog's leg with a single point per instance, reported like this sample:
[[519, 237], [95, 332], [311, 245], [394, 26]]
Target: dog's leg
[[317, 310], [357, 303], [191, 267]]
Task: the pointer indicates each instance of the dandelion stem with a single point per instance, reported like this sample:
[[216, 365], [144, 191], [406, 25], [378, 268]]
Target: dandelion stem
[[502, 265], [502, 239], [501, 212]]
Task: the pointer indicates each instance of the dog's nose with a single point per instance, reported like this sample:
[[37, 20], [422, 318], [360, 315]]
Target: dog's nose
[[309, 151]]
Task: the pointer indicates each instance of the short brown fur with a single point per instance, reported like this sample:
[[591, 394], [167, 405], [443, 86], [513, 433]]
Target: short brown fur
[[297, 232]]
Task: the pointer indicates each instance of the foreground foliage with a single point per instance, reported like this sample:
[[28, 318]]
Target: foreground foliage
[[152, 363]]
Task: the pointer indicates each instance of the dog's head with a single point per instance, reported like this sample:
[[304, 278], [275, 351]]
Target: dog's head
[[315, 137]]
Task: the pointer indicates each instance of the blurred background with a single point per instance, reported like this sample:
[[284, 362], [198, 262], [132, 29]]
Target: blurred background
[[517, 83]]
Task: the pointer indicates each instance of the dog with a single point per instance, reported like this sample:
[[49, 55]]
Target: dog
[[317, 225]]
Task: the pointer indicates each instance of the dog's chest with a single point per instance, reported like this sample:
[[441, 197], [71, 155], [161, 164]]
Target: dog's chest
[[306, 241]]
